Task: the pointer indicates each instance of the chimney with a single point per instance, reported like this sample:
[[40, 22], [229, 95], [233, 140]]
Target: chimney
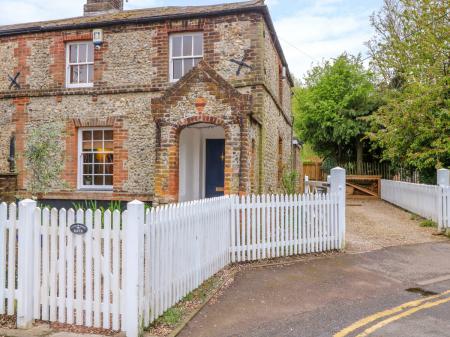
[[98, 7]]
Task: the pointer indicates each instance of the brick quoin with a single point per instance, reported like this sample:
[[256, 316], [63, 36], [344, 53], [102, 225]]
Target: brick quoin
[[20, 118], [21, 53]]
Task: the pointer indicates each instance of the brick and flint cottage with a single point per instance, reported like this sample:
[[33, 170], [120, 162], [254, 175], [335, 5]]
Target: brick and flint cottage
[[161, 104]]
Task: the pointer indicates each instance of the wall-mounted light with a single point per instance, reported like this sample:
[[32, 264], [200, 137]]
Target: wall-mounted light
[[97, 37]]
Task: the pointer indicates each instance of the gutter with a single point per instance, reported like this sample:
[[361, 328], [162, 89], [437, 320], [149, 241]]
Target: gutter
[[264, 10]]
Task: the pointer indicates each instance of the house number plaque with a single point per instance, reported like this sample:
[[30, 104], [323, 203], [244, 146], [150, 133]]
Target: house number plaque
[[78, 229]]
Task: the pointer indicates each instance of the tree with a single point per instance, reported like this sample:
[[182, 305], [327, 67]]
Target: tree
[[411, 54], [332, 107], [44, 159]]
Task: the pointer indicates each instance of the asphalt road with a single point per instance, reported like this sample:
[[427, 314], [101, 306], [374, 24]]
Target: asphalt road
[[392, 292]]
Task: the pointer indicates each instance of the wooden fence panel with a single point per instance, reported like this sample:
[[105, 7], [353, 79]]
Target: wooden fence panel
[[313, 170]]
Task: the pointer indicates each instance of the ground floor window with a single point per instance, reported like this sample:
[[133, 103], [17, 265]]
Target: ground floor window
[[96, 158]]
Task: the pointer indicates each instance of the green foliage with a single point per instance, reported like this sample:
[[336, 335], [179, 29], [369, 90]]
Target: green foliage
[[171, 317], [428, 223], [175, 315], [331, 109], [289, 182], [328, 164], [44, 158], [411, 54], [114, 205], [308, 154]]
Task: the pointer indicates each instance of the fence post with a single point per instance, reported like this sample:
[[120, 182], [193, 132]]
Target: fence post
[[338, 186], [133, 269], [25, 264], [306, 189], [443, 177], [443, 180]]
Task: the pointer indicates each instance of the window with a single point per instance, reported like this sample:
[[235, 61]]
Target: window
[[96, 164], [80, 65], [186, 51]]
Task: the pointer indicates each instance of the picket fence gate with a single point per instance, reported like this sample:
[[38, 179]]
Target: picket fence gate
[[130, 267], [429, 201]]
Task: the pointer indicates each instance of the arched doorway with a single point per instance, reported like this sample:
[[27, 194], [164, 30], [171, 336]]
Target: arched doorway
[[201, 162]]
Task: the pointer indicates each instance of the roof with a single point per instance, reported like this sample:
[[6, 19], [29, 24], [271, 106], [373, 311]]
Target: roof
[[147, 15], [142, 15]]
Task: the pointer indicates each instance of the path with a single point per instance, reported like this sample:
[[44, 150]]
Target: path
[[374, 224], [320, 297]]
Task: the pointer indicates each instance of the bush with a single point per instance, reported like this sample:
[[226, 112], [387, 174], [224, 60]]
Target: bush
[[44, 158], [290, 182]]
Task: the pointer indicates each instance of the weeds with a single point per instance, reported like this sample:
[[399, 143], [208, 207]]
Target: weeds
[[175, 315], [171, 317], [428, 224]]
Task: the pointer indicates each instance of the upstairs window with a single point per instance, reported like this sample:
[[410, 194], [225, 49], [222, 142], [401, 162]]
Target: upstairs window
[[96, 166], [186, 51], [80, 65]]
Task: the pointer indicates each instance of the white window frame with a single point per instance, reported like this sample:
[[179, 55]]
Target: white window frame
[[68, 65], [171, 57], [81, 186]]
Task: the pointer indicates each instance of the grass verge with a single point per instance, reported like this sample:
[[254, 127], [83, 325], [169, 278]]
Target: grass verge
[[175, 317]]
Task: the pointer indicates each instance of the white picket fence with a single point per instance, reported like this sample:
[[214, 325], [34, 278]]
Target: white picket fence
[[429, 201], [419, 199], [444, 209], [130, 267], [8, 258], [271, 226], [185, 245], [76, 279]]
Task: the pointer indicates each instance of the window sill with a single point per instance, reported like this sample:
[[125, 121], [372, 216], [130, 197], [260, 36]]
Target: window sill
[[95, 189], [76, 86]]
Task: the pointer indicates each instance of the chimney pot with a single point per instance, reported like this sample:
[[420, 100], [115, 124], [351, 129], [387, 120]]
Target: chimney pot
[[98, 7]]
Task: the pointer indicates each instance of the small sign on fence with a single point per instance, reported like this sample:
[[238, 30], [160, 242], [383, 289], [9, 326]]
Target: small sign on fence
[[78, 229]]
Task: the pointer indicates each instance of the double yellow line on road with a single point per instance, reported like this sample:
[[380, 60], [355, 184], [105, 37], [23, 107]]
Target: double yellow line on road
[[393, 315]]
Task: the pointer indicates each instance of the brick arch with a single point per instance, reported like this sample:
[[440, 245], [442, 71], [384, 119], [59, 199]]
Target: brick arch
[[169, 192], [185, 122]]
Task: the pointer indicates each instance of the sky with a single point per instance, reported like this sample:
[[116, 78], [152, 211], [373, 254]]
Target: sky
[[310, 31]]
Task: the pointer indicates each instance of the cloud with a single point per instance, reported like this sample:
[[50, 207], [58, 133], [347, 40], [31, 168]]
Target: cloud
[[321, 31], [272, 3], [18, 11], [309, 30]]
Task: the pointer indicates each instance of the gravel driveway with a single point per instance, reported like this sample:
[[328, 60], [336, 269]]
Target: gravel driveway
[[374, 224]]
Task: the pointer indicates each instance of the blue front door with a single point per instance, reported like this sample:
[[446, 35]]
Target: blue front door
[[215, 168]]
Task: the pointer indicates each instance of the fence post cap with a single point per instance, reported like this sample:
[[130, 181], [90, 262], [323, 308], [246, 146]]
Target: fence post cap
[[337, 168], [27, 202], [442, 170], [135, 202]]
